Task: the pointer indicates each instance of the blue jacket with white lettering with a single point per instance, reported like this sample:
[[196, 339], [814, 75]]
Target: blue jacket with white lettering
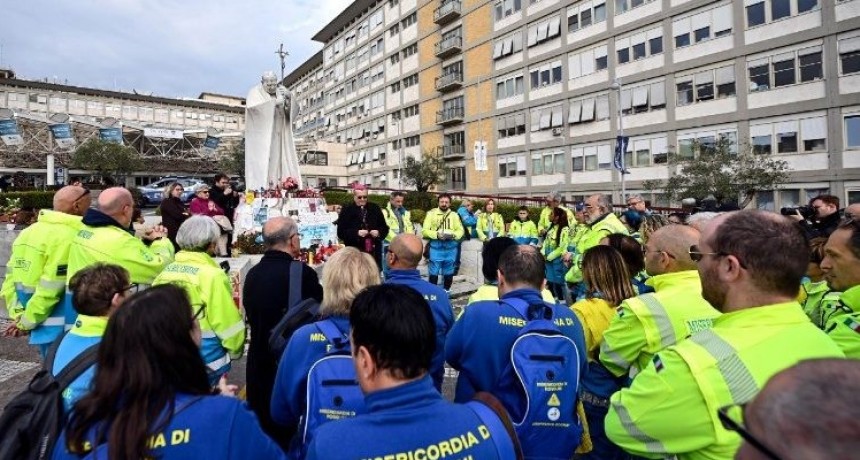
[[408, 421], [306, 346], [440, 305], [204, 427], [480, 342]]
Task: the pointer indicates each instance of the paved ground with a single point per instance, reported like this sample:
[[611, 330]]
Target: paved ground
[[19, 362]]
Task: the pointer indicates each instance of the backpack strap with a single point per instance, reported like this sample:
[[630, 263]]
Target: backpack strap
[[76, 367], [52, 352], [504, 445], [295, 296], [333, 334]]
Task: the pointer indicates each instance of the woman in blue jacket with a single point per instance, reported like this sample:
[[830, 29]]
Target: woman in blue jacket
[[151, 397], [346, 274]]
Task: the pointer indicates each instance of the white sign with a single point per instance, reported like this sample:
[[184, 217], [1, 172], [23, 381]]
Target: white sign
[[163, 133], [480, 154], [12, 139]]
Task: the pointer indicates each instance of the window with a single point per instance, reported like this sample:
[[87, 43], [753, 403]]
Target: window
[[409, 20], [852, 131], [547, 74], [810, 65], [505, 8], [395, 58], [508, 45], [787, 68], [585, 14], [544, 31], [410, 50], [643, 98], [783, 70], [638, 45], [706, 141], [807, 134], [703, 26], [544, 118], [512, 166], [376, 48], [780, 9], [410, 111], [394, 30], [412, 141], [587, 62], [849, 55], [591, 158], [509, 87], [395, 87], [589, 109], [511, 125], [641, 152], [410, 81], [548, 163], [755, 14], [622, 6], [314, 158], [761, 145], [393, 3]]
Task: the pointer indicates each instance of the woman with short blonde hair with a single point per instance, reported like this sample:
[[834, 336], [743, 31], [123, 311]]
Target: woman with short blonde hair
[[346, 273]]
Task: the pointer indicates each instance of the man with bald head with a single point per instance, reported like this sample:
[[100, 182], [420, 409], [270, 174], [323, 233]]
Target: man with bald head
[[106, 237], [750, 270], [403, 256], [651, 322], [266, 299], [37, 270], [852, 211]]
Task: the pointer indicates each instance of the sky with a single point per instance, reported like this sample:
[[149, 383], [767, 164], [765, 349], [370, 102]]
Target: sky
[[176, 48]]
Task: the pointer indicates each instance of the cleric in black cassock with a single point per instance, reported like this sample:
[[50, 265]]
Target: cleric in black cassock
[[362, 226]]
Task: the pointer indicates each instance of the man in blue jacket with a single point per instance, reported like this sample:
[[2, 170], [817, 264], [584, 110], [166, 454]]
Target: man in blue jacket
[[403, 257], [470, 224], [479, 345], [393, 340]]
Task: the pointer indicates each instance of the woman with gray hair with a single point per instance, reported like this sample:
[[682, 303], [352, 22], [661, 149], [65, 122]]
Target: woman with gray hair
[[210, 292], [346, 274]]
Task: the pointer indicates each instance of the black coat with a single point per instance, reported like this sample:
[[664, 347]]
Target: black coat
[[265, 295], [353, 218], [173, 213], [227, 203]]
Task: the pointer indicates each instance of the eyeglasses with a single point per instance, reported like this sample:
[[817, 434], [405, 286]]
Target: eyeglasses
[[130, 287], [200, 313], [645, 252], [697, 256], [732, 425], [85, 193]]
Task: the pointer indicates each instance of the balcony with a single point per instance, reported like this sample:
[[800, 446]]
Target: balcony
[[451, 152], [449, 116], [449, 47], [449, 81], [446, 13]]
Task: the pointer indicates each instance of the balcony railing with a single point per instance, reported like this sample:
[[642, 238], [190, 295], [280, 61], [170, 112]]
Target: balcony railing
[[449, 81], [452, 152], [449, 116], [449, 47], [449, 11]]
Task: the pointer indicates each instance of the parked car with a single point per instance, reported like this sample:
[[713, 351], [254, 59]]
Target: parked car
[[153, 193]]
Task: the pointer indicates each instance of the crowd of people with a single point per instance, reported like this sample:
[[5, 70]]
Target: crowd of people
[[716, 335]]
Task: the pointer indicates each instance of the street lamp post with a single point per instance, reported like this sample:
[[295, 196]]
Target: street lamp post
[[399, 154], [616, 85]]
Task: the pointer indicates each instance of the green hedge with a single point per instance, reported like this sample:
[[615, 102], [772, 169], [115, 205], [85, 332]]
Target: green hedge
[[32, 200]]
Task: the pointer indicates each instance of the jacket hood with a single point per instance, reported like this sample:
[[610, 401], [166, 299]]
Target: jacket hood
[[96, 218]]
